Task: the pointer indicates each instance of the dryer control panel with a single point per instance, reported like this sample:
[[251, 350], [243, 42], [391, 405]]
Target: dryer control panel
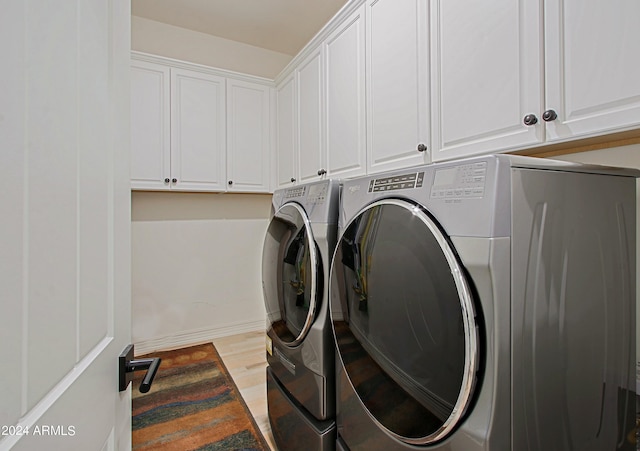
[[460, 182], [468, 197], [402, 181]]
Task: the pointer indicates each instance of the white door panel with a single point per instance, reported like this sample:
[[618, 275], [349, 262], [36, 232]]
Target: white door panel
[[150, 130], [310, 146], [198, 127], [592, 66], [248, 136], [398, 83], [64, 242], [345, 99], [286, 133], [487, 77]]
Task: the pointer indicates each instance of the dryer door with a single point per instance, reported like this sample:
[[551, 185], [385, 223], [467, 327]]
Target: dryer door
[[290, 274], [404, 321]]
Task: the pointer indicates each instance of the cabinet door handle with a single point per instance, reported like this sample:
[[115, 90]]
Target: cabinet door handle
[[530, 119], [174, 180], [422, 147], [167, 180], [549, 115], [230, 182], [322, 172], [292, 180]]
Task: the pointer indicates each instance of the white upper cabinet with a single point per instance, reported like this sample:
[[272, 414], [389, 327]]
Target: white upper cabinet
[[150, 128], [446, 79], [177, 129], [321, 115], [286, 162], [198, 126], [507, 77], [310, 96], [248, 136], [398, 83], [195, 128], [592, 66], [486, 75], [345, 136]]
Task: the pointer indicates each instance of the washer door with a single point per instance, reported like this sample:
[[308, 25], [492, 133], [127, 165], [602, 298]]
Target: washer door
[[404, 321], [290, 274]]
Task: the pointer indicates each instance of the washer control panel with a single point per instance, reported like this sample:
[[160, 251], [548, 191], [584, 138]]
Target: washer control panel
[[294, 193], [317, 193], [312, 194]]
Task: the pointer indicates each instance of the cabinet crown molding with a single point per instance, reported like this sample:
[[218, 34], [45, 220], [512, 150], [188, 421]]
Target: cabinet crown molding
[[157, 59]]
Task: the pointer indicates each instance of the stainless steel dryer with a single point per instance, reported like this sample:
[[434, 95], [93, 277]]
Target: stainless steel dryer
[[486, 304], [298, 246]]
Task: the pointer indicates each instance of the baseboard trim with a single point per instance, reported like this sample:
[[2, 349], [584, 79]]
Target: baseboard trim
[[195, 337]]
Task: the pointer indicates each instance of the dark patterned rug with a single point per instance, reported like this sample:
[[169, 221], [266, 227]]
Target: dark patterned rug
[[193, 404]]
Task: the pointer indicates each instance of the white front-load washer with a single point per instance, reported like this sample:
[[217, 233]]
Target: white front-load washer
[[298, 246], [486, 304]]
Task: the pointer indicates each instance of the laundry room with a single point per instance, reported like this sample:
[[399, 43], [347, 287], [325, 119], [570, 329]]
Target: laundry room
[[197, 247], [196, 256], [332, 224]]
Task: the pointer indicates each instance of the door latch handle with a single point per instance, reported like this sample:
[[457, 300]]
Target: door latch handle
[[126, 367]]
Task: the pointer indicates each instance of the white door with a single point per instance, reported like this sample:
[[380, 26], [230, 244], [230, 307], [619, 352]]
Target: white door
[[248, 136], [286, 133], [150, 122], [592, 66], [198, 128], [487, 76], [397, 83], [65, 229], [310, 147], [346, 138]]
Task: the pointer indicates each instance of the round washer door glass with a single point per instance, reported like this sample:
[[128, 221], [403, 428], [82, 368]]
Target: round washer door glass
[[289, 274], [404, 321]]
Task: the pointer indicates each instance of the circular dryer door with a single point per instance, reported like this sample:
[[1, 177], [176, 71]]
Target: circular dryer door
[[404, 321], [290, 274]]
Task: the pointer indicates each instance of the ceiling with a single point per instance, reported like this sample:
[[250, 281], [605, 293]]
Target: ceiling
[[283, 26]]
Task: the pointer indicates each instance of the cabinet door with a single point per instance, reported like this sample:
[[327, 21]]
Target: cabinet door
[[286, 133], [248, 137], [150, 134], [398, 81], [592, 61], [345, 99], [310, 147], [198, 128], [486, 72]]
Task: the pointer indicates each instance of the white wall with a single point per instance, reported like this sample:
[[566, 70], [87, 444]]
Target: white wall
[[196, 257], [161, 39], [626, 156], [196, 266]]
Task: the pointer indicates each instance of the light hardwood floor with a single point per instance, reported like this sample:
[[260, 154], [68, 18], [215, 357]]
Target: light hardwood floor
[[244, 355]]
